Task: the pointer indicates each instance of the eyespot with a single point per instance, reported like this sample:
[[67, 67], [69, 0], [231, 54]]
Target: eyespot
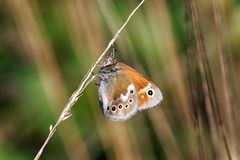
[[131, 91], [150, 92], [108, 108], [126, 106], [113, 108], [130, 100], [120, 106]]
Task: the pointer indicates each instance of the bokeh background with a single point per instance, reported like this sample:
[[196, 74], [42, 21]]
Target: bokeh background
[[46, 48]]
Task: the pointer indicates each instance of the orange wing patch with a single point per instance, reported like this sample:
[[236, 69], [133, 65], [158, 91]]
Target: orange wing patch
[[142, 99], [138, 79]]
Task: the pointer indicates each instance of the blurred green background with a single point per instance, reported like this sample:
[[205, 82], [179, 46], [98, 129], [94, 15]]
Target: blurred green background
[[46, 48]]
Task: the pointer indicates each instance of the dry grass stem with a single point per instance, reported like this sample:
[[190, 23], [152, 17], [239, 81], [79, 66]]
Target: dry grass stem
[[88, 78], [207, 74]]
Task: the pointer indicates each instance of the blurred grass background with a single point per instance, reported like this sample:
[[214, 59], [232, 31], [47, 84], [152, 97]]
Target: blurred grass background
[[46, 47]]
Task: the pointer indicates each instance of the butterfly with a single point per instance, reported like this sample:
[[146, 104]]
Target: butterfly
[[123, 91]]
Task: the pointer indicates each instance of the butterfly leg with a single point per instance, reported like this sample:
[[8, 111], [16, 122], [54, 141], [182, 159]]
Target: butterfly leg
[[114, 49], [92, 73]]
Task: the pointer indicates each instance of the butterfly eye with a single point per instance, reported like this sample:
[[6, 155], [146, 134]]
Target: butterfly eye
[[131, 91], [150, 93], [120, 106], [126, 106], [130, 100], [113, 108]]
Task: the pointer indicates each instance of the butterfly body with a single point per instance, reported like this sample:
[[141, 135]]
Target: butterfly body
[[123, 91]]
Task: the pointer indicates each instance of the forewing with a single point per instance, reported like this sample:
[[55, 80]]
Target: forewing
[[149, 95]]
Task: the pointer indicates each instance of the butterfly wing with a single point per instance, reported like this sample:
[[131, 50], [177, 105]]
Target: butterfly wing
[[118, 97], [149, 95]]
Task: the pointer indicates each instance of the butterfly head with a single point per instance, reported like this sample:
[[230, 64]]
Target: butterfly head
[[108, 67], [109, 61]]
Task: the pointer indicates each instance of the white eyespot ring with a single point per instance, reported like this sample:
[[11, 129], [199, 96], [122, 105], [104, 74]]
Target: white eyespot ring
[[150, 93], [130, 100], [120, 106]]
